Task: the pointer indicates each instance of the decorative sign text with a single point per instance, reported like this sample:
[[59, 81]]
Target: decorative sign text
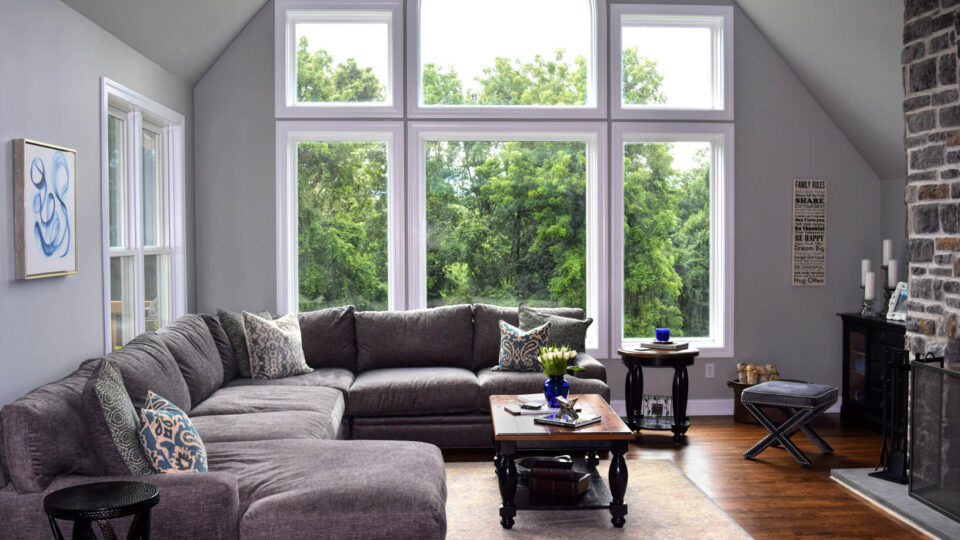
[[809, 232]]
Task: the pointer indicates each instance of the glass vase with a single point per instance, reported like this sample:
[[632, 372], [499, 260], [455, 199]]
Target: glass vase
[[555, 386]]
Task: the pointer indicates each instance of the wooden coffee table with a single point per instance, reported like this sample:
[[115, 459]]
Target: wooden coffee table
[[609, 434]]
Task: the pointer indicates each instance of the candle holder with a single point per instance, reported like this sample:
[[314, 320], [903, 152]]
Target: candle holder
[[866, 308]]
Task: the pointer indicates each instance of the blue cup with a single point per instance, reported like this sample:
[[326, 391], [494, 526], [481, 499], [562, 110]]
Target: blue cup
[[663, 334]]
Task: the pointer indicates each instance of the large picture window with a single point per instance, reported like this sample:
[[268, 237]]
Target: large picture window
[[143, 223]]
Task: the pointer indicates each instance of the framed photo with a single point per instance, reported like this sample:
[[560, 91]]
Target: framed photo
[[897, 309], [45, 209]]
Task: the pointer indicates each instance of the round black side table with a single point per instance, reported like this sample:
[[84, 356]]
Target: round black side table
[[100, 502], [635, 360]]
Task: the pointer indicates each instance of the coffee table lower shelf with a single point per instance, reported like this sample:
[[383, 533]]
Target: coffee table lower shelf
[[598, 497]]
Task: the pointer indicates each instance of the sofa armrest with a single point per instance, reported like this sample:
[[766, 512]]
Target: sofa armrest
[[592, 368], [192, 505]]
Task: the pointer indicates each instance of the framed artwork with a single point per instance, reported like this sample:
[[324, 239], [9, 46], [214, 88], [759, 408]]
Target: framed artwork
[[45, 209], [897, 308]]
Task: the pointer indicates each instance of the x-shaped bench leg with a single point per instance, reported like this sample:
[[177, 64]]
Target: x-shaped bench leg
[[781, 433], [809, 432]]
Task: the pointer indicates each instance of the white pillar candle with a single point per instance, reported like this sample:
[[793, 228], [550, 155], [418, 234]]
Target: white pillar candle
[[892, 273], [869, 285], [864, 268], [887, 251]]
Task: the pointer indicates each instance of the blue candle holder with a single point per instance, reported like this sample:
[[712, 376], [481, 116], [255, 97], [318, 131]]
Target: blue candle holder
[[663, 334]]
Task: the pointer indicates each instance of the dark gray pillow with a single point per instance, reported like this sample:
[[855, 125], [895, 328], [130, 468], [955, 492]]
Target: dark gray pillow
[[112, 421], [193, 348], [435, 337], [330, 338], [564, 331], [233, 325], [146, 364], [227, 358]]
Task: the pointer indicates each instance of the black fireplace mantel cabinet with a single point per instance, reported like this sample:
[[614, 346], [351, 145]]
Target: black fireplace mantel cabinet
[[863, 365]]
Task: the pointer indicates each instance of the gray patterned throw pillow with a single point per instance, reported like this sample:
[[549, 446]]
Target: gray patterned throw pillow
[[113, 423], [275, 346], [232, 324], [563, 330]]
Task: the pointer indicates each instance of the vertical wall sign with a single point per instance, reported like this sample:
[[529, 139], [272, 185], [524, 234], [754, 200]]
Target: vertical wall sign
[[809, 233]]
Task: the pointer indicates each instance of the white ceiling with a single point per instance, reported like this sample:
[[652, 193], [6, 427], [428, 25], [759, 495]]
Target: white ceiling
[[846, 52], [184, 36]]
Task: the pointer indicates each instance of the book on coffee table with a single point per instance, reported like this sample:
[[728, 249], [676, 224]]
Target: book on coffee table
[[567, 420], [664, 345], [574, 485]]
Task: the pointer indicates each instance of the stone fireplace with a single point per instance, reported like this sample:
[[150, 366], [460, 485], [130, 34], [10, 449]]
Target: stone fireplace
[[932, 121]]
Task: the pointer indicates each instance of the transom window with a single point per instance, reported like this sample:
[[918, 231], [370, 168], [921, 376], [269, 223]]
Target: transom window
[[499, 185]]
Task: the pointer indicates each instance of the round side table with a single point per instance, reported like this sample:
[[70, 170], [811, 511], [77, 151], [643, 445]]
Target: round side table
[[100, 502], [636, 360]]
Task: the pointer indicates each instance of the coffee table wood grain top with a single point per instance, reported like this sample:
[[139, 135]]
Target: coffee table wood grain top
[[511, 427]]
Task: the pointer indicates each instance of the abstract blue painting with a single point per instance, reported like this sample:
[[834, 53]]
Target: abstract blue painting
[[45, 190]]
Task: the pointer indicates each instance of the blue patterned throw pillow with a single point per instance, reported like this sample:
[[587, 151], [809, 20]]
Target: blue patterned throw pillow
[[519, 349], [169, 440]]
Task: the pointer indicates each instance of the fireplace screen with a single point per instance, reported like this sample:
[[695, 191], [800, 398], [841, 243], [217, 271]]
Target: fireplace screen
[[935, 438]]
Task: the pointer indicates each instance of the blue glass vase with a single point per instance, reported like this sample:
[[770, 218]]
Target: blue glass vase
[[555, 386]]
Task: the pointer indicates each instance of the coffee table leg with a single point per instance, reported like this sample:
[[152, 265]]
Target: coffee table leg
[[618, 483], [593, 458], [508, 485], [497, 460]]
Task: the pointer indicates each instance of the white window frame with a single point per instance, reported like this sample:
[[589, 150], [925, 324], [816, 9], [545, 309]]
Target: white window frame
[[595, 108], [594, 134], [721, 136], [287, 13], [720, 21], [116, 99], [289, 133]]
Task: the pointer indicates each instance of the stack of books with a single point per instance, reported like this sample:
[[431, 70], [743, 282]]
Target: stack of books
[[557, 478], [664, 345]]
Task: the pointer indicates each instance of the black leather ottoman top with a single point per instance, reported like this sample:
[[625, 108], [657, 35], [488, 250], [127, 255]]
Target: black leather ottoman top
[[790, 394]]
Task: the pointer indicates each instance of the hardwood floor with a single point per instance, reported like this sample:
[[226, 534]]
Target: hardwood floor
[[771, 496]]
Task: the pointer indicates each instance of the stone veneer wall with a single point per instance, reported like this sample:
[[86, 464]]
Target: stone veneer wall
[[932, 108]]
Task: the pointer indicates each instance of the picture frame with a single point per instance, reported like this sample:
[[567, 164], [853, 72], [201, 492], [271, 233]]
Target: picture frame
[[897, 307], [45, 210]]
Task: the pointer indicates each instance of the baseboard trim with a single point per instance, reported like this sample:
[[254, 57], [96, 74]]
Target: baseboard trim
[[705, 407]]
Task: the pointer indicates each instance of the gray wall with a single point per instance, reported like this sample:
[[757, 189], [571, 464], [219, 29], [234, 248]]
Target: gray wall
[[782, 133], [51, 61]]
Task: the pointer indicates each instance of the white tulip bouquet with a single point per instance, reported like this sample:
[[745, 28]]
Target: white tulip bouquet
[[554, 360]]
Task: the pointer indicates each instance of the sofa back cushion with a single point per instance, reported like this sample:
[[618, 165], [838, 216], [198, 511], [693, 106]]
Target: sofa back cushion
[[486, 329], [146, 364], [195, 352], [44, 434], [437, 337], [227, 357], [330, 338]]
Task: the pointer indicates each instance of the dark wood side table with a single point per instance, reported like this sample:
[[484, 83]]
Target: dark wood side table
[[636, 360], [100, 502]]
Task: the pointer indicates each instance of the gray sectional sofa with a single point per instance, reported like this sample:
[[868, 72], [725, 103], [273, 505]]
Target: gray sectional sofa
[[347, 451]]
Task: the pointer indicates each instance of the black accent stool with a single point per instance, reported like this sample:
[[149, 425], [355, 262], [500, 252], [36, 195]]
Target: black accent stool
[[100, 502]]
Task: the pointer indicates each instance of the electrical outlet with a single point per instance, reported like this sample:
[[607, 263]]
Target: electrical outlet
[[710, 370]]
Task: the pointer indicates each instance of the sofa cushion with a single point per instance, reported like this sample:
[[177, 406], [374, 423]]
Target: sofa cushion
[[267, 426], [44, 434], [168, 438], [296, 489], [112, 421], [438, 337], [330, 338], [195, 351], [564, 331], [227, 358], [338, 378], [257, 398], [406, 391], [146, 364], [520, 350], [486, 329], [511, 382]]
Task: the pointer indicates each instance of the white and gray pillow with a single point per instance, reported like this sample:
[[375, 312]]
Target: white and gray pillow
[[232, 324], [275, 346], [564, 331]]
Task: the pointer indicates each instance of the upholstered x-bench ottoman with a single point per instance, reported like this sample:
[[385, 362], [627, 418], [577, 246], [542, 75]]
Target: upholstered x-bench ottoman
[[800, 403]]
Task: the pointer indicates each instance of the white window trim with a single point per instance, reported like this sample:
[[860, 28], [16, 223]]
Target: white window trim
[[288, 12], [595, 109], [172, 153], [594, 134], [289, 133], [674, 15], [720, 343]]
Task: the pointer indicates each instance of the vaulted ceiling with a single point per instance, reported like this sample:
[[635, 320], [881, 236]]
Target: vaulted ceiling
[[846, 52]]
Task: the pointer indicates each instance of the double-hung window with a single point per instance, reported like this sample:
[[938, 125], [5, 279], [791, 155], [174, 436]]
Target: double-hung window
[[143, 214], [488, 177]]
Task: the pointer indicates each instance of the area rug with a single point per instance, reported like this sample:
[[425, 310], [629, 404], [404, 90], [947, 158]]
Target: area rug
[[663, 503]]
